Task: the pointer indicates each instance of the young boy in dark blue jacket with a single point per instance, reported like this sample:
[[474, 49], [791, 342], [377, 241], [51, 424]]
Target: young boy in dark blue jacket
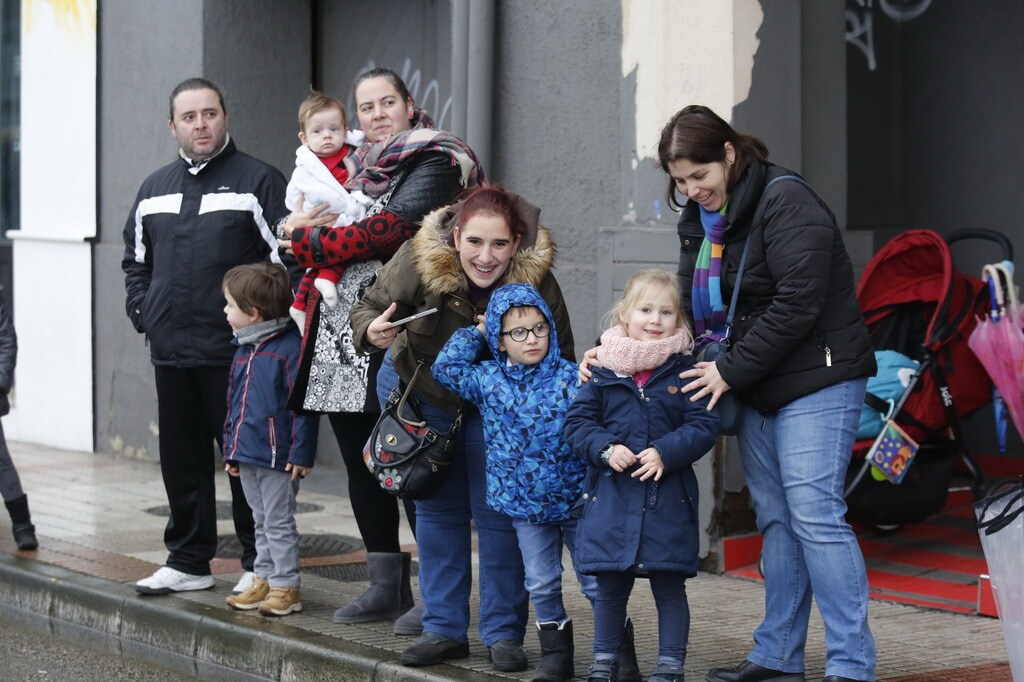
[[265, 444], [523, 394]]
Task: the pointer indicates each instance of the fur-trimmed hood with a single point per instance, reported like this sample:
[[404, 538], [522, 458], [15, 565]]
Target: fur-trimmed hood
[[437, 262]]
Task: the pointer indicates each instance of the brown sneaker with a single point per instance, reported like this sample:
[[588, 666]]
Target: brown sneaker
[[252, 597], [281, 601]]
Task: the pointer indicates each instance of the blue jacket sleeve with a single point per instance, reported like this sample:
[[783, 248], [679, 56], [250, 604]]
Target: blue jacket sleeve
[[691, 441], [305, 429], [454, 368], [584, 427]]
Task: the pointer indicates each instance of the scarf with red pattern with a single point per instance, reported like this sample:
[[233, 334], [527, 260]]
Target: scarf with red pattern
[[373, 164]]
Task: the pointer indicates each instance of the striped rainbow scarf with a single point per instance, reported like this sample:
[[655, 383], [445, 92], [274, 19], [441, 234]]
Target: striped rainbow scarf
[[708, 308]]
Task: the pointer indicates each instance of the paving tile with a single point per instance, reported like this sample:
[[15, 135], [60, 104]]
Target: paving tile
[[90, 514]]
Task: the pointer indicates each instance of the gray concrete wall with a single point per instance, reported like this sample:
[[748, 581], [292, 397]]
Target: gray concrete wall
[[146, 48], [558, 122], [934, 136]]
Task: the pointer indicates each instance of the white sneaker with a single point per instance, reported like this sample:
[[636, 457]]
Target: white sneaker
[[167, 580], [244, 583]]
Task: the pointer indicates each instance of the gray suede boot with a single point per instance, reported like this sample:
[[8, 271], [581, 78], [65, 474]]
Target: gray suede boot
[[21, 523], [389, 596], [410, 624]]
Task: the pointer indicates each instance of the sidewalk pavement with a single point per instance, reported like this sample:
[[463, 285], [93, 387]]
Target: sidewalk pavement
[[97, 539]]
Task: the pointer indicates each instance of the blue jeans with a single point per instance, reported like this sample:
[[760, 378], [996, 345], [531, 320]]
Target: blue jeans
[[541, 545], [669, 589], [444, 539], [795, 463]]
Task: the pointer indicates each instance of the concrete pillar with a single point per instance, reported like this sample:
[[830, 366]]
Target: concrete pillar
[[52, 399]]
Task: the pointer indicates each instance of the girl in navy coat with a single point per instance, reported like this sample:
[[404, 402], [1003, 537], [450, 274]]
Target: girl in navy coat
[[641, 437]]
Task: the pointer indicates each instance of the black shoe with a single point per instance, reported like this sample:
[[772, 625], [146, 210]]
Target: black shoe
[[433, 648], [751, 672], [25, 536], [507, 656], [21, 523]]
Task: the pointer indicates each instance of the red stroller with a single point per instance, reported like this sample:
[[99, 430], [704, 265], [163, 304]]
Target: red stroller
[[915, 301]]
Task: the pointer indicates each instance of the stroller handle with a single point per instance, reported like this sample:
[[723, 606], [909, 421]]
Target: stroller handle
[[983, 233]]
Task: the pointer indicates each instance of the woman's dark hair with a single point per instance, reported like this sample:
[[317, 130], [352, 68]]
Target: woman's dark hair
[[388, 75], [698, 134], [492, 200]]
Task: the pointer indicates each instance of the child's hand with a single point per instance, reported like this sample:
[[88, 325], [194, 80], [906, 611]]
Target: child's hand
[[232, 468], [297, 470], [481, 324], [650, 464], [622, 458]]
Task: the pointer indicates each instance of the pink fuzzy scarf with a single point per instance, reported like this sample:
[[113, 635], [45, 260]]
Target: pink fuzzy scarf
[[626, 356]]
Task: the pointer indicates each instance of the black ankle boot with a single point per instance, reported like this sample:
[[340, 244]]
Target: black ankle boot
[[629, 670], [21, 522], [557, 653]]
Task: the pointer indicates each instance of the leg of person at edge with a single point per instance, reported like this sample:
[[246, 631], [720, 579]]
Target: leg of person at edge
[[15, 499], [180, 312], [10, 484]]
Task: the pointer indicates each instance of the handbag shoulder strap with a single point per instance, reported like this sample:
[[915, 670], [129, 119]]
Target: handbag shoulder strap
[[400, 410], [456, 425], [743, 261]]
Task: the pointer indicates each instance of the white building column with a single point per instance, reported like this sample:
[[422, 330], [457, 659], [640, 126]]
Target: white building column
[[53, 398], [680, 53]]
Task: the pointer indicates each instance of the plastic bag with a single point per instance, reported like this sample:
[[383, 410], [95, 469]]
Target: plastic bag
[[1001, 525]]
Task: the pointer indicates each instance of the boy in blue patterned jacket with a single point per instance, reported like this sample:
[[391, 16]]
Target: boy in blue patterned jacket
[[266, 444], [523, 394]]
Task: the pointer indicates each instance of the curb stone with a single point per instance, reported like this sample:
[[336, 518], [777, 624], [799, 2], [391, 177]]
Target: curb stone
[[190, 638]]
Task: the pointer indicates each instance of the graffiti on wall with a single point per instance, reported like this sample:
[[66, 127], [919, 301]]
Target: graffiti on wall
[[860, 21], [426, 94]]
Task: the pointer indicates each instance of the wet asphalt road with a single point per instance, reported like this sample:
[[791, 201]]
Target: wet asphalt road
[[26, 654]]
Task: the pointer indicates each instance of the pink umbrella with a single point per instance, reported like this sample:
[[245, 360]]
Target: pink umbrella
[[999, 342]]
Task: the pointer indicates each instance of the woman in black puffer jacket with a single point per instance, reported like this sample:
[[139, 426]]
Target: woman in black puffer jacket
[[799, 360]]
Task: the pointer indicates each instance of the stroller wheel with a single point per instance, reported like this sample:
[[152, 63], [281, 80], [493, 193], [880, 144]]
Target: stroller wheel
[[883, 528]]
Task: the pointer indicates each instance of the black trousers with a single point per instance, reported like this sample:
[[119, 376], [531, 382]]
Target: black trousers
[[376, 511], [191, 409]]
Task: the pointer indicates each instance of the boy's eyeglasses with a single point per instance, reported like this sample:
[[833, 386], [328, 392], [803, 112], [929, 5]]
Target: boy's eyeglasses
[[539, 330]]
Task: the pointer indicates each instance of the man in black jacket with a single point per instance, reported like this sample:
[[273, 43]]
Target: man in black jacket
[[193, 220]]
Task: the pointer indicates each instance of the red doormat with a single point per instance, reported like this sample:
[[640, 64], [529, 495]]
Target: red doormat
[[936, 564]]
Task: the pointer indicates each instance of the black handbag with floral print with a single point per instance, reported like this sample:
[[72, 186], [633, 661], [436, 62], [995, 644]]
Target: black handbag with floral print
[[408, 457]]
